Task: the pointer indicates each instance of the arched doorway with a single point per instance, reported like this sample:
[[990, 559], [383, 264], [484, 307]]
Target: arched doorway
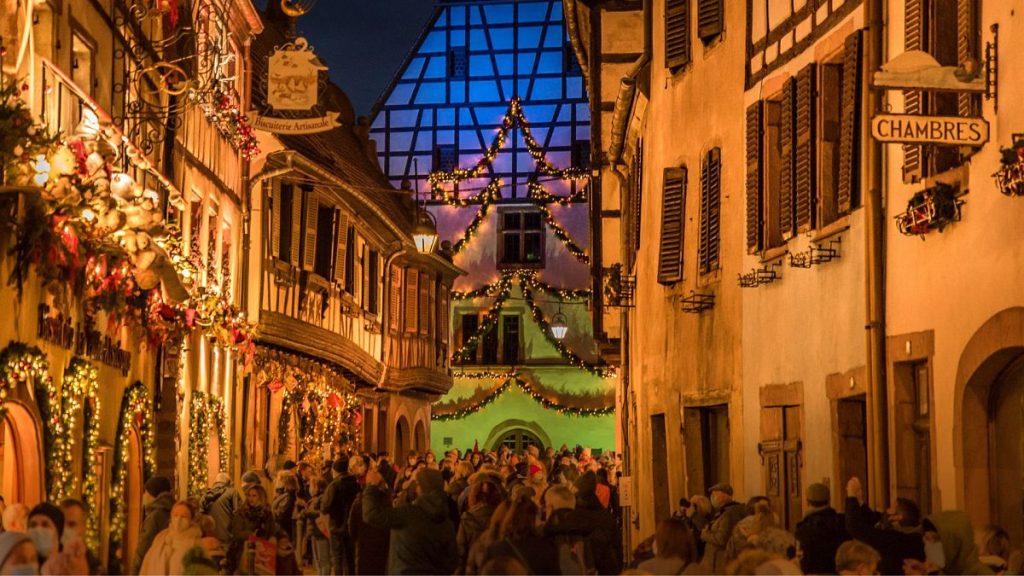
[[989, 414], [21, 471], [403, 437], [421, 437], [518, 435], [518, 440]]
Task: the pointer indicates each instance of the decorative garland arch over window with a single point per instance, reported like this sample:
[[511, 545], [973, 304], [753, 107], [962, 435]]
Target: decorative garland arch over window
[[136, 410], [206, 410]]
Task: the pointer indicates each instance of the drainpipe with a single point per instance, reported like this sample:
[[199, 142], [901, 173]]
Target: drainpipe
[[878, 449]]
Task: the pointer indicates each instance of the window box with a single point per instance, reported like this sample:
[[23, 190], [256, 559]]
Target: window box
[[930, 209], [1010, 177]]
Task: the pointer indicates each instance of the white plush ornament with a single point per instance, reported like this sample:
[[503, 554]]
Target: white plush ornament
[[121, 185]]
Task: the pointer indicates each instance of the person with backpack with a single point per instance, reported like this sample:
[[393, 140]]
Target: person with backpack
[[568, 531], [220, 502], [335, 504]]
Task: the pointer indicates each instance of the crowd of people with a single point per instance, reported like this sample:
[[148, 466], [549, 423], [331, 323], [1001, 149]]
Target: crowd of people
[[498, 512]]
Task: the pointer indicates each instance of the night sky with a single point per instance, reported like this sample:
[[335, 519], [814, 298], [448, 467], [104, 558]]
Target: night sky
[[363, 41]]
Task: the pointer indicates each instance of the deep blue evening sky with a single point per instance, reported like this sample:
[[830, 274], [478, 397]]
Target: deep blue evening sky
[[363, 41]]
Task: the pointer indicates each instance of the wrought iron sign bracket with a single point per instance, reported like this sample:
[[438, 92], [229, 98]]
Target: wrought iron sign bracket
[[816, 254], [697, 302], [760, 276], [992, 68]]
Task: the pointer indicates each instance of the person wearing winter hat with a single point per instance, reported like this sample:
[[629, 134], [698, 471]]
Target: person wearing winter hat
[[820, 532], [250, 478], [17, 554], [45, 528], [157, 502]]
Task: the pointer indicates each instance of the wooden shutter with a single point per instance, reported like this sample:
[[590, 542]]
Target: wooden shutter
[[340, 244], [710, 210], [966, 39], [710, 17], [849, 124], [424, 301], [395, 301], [275, 222], [309, 247], [755, 180], [367, 279], [432, 309], [913, 39], [787, 158], [673, 208], [411, 288], [804, 167], [295, 227], [445, 318], [677, 33]]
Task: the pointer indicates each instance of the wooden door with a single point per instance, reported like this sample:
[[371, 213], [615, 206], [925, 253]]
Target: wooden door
[[851, 424], [693, 446], [780, 455], [1007, 452], [659, 468]]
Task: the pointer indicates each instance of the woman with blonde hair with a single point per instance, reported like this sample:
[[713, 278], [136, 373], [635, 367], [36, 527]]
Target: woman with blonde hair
[[675, 552]]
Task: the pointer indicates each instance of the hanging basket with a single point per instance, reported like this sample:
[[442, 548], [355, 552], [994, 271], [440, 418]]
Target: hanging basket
[[929, 210], [1010, 179]]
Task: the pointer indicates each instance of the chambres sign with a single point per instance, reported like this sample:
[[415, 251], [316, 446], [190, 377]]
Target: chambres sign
[[913, 129], [82, 339]]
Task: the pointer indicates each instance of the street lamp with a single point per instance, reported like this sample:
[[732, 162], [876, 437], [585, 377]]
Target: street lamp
[[425, 232], [558, 324]]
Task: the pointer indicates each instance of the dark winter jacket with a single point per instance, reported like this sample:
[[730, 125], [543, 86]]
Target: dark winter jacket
[[474, 521], [957, 536], [820, 533], [370, 543], [422, 535], [894, 546], [284, 511], [221, 506], [156, 518], [337, 501], [539, 555], [566, 527], [603, 540], [717, 535]]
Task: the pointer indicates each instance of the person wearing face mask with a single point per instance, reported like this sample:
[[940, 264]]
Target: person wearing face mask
[[717, 534], [45, 528], [157, 502], [896, 535], [75, 515], [949, 547], [18, 555], [167, 553]]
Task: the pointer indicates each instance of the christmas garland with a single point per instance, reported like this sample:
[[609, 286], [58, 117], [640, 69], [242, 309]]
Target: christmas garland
[[570, 245], [563, 350], [462, 408], [220, 420], [135, 404], [19, 363], [232, 124], [206, 410]]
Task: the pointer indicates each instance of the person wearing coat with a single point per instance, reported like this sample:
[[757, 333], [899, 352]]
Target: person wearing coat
[[166, 556], [717, 534], [284, 505], [220, 502], [254, 518], [897, 538], [820, 532], [603, 540], [422, 533], [371, 543], [952, 531], [484, 497], [157, 502]]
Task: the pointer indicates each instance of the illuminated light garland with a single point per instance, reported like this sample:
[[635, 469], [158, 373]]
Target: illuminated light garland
[[198, 444], [135, 403], [220, 421], [471, 230], [530, 277], [539, 194], [567, 354], [21, 363], [490, 321], [455, 412], [486, 375], [562, 235]]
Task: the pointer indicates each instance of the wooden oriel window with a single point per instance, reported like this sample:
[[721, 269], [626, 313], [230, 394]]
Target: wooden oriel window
[[673, 211], [521, 240], [395, 299], [677, 33], [411, 291], [710, 211], [710, 19]]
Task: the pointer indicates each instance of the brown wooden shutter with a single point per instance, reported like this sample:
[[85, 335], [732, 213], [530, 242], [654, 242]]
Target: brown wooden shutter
[[673, 209], [367, 280], [755, 181], [395, 302], [677, 33], [296, 227], [340, 244], [424, 302], [710, 17], [275, 222], [966, 40], [913, 39], [787, 158], [849, 124], [445, 317], [411, 288], [804, 183], [432, 308], [710, 209]]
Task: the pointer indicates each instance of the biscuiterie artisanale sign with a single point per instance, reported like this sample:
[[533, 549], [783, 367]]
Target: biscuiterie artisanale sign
[[913, 129], [293, 93]]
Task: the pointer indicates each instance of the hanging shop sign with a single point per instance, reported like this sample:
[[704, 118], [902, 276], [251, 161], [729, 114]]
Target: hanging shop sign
[[82, 339], [293, 87], [918, 70], [913, 129]]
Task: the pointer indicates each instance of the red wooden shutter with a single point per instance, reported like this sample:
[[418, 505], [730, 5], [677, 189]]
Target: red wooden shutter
[[341, 245], [411, 288], [804, 167], [787, 158], [673, 208], [755, 181], [849, 127], [677, 33], [913, 39]]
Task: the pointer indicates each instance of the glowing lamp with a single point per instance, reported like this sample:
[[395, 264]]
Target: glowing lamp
[[425, 232], [559, 327]]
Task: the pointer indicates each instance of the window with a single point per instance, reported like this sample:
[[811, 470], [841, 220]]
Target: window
[[325, 248], [82, 61], [510, 339], [949, 31], [710, 17], [635, 200], [444, 158], [373, 282], [521, 239], [913, 424], [706, 444], [673, 209], [457, 62], [677, 33], [285, 247], [581, 154], [489, 346], [710, 211], [470, 324]]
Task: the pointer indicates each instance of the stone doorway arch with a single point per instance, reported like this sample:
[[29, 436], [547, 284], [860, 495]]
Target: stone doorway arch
[[421, 437], [512, 426], [21, 454], [403, 439]]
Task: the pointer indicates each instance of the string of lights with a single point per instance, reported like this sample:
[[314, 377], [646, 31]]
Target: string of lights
[[563, 350], [542, 396], [198, 444], [560, 233], [135, 408]]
